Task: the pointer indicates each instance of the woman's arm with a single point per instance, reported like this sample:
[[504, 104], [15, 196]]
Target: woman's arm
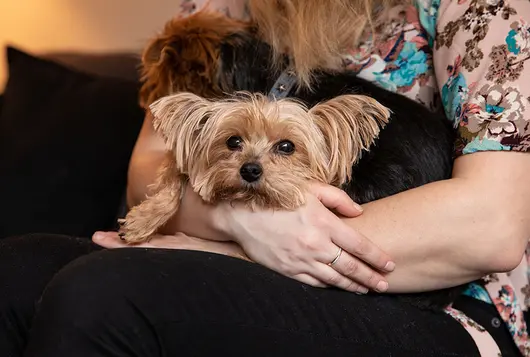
[[454, 231], [148, 153]]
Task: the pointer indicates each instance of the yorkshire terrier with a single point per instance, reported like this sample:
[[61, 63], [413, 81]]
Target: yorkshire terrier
[[251, 150], [213, 56]]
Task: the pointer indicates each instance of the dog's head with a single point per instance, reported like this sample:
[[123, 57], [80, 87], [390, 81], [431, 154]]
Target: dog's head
[[262, 152], [186, 55]]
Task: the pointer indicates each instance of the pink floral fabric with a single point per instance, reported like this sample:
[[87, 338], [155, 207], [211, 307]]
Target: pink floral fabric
[[469, 57]]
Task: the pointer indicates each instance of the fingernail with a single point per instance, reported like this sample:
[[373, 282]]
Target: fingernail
[[390, 266], [381, 286], [361, 290], [358, 206], [98, 235]]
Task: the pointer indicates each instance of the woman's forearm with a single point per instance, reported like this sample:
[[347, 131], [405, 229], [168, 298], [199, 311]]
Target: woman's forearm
[[425, 234], [449, 232]]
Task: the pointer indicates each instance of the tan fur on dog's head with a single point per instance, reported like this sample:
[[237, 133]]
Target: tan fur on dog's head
[[185, 56], [213, 140]]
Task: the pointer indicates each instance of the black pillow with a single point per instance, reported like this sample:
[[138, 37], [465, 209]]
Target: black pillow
[[66, 138]]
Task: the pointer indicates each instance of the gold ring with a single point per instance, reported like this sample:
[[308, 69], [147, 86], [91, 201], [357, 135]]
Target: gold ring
[[336, 257]]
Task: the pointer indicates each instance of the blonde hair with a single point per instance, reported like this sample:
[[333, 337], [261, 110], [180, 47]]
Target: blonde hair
[[315, 33]]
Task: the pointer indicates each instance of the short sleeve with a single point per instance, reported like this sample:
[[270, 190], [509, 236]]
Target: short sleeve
[[481, 49], [237, 9]]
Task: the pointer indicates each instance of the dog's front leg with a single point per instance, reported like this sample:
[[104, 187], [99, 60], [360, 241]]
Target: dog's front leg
[[145, 219]]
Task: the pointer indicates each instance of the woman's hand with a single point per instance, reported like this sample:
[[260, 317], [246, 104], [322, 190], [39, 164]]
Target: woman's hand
[[300, 244], [179, 241]]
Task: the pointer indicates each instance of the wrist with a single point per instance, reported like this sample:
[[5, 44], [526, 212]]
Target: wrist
[[220, 224]]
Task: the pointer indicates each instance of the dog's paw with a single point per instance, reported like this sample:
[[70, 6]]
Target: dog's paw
[[133, 233]]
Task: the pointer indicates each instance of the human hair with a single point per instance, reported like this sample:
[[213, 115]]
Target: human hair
[[315, 33]]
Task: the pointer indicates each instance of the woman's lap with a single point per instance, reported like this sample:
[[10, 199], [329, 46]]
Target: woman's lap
[[165, 302]]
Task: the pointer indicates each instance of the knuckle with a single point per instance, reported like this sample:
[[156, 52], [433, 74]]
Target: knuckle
[[310, 242], [285, 269], [343, 196], [351, 267], [351, 286], [318, 220], [373, 279], [362, 247], [333, 279]]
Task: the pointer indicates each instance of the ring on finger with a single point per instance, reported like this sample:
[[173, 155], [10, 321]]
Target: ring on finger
[[337, 257]]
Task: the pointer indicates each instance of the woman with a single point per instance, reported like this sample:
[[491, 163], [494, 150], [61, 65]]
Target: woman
[[167, 302]]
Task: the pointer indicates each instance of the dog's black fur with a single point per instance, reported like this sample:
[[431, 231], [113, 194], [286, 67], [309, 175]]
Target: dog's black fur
[[415, 148]]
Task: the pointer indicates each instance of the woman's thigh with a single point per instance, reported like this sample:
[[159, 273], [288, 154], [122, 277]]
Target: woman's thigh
[[142, 302], [27, 264]]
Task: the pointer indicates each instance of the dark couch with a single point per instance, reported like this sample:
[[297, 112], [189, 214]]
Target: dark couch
[[68, 124]]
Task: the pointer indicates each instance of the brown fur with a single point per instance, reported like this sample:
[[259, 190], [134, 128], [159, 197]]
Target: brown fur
[[328, 139], [185, 56]]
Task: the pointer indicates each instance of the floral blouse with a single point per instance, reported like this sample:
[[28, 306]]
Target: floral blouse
[[468, 56]]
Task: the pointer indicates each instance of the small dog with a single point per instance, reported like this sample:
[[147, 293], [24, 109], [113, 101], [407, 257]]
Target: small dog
[[252, 150], [413, 149]]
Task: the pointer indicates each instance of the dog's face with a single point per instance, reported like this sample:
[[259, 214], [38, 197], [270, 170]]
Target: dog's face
[[260, 152]]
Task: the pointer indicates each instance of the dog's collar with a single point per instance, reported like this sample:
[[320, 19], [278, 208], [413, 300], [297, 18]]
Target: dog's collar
[[283, 85]]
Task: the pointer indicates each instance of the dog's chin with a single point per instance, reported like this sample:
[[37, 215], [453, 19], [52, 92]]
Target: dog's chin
[[258, 194], [245, 193]]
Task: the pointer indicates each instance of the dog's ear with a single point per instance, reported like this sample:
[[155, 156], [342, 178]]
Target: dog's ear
[[179, 119], [350, 124]]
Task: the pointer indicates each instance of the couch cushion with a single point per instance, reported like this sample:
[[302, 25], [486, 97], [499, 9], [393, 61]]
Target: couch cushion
[[65, 142], [117, 65]]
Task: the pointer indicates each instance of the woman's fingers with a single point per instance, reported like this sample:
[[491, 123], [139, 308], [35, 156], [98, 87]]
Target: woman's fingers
[[112, 240], [336, 200], [309, 280], [108, 240], [356, 271], [332, 277], [359, 246]]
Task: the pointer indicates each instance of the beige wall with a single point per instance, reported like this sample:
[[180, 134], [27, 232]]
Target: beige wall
[[89, 25]]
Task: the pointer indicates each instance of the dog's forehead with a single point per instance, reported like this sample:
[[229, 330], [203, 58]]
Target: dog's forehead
[[264, 122], [276, 120]]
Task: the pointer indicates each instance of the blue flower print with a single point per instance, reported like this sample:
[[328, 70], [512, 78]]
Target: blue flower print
[[411, 63], [512, 42], [428, 15], [383, 80], [478, 292], [454, 91], [478, 144]]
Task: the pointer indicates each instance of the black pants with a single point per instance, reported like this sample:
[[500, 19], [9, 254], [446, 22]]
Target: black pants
[[157, 302]]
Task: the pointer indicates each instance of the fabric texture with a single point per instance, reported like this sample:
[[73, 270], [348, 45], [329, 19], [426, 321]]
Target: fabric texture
[[467, 56], [163, 302], [65, 142]]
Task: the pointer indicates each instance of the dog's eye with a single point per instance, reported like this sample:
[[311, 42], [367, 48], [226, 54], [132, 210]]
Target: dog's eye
[[285, 147], [234, 143]]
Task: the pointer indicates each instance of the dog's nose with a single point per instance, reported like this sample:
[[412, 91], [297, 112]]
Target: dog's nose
[[250, 172]]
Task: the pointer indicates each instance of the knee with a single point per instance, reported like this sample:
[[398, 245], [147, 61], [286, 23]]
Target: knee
[[90, 305], [115, 283], [28, 263], [91, 286]]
